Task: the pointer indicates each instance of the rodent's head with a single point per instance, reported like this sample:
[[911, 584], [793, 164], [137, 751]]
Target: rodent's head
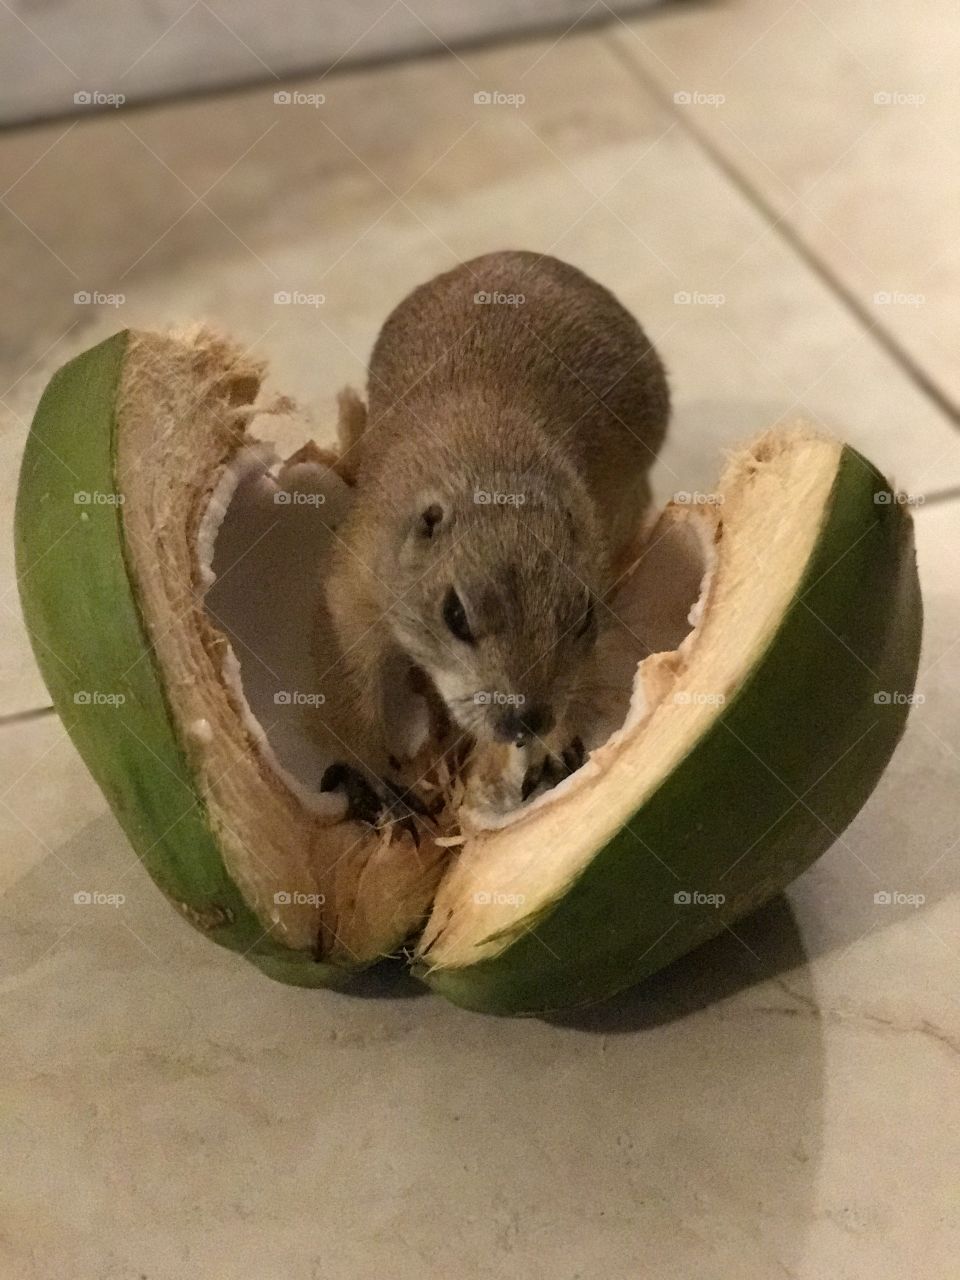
[[498, 603]]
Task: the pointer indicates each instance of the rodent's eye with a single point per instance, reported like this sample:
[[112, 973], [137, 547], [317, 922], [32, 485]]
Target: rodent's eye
[[455, 616], [586, 621]]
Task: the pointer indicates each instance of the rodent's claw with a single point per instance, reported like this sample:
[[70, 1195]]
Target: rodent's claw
[[574, 755], [393, 804], [532, 779], [553, 769]]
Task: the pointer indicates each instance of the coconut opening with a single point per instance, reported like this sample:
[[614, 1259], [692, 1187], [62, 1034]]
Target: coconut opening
[[264, 545]]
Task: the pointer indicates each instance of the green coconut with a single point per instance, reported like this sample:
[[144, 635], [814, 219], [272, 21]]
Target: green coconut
[[752, 684]]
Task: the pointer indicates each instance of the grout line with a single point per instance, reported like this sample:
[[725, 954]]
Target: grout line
[[942, 495], [777, 224], [529, 32]]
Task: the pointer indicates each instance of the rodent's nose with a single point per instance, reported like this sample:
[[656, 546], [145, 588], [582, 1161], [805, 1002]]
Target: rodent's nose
[[518, 723]]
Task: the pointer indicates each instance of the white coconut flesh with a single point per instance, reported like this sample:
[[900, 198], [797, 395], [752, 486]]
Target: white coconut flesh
[[229, 549]]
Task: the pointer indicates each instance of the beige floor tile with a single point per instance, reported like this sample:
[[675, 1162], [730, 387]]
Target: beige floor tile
[[884, 972], [398, 175], [844, 120], [46, 796], [751, 1112]]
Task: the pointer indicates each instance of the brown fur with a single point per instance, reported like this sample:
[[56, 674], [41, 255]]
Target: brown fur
[[557, 405]]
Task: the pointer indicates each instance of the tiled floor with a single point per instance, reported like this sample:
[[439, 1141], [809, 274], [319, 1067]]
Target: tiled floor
[[782, 1103], [852, 97]]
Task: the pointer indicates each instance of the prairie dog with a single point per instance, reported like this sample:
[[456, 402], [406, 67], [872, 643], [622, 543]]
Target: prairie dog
[[514, 410]]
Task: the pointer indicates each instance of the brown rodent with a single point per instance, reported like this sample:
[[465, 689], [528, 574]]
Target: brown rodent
[[514, 410]]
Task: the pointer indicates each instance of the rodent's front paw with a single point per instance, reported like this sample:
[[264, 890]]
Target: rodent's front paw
[[379, 805], [552, 769], [573, 755]]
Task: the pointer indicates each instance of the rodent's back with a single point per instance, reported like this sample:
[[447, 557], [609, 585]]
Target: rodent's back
[[538, 338]]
